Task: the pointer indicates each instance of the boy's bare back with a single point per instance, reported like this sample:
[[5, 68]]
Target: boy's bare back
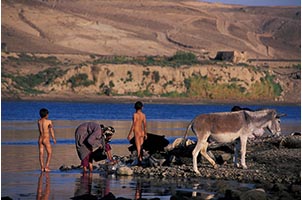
[[45, 127], [139, 124], [46, 131]]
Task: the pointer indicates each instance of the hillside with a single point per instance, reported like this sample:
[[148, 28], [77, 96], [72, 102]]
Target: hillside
[[27, 76], [139, 28], [81, 50]]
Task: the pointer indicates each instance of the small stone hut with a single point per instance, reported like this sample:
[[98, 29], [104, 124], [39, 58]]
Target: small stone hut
[[231, 56]]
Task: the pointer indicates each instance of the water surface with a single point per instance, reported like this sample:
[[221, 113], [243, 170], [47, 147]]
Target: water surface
[[21, 178]]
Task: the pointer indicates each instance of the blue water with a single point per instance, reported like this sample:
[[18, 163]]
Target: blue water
[[71, 141], [17, 111], [29, 111]]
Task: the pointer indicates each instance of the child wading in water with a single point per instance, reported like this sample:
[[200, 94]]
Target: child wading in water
[[139, 126], [45, 130]]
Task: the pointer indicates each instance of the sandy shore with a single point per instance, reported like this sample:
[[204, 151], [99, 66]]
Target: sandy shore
[[130, 99]]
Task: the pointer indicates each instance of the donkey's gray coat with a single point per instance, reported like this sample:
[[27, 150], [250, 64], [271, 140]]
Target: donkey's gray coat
[[229, 126]]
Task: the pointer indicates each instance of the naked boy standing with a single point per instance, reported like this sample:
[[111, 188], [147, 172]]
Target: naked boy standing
[[139, 128], [46, 130]]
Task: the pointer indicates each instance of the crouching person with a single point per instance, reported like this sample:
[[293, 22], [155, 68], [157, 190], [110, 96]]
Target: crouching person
[[88, 137], [100, 154]]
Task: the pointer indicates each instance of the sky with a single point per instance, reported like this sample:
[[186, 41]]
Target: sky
[[260, 2]]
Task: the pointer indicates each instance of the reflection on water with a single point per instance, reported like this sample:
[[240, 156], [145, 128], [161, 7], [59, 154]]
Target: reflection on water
[[83, 187], [138, 190], [75, 185], [43, 189], [94, 186]]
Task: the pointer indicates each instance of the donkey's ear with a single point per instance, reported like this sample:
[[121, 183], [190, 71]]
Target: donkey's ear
[[281, 115]]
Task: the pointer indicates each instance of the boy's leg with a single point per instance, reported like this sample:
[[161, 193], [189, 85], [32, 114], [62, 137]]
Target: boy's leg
[[41, 155], [139, 142], [49, 153], [138, 148]]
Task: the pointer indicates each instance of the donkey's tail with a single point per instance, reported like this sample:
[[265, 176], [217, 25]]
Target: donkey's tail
[[188, 127]]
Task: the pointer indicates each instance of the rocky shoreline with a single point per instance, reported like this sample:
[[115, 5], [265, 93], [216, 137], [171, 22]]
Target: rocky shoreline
[[71, 97], [274, 167]]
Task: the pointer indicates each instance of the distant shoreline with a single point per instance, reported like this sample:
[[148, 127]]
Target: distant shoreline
[[153, 100]]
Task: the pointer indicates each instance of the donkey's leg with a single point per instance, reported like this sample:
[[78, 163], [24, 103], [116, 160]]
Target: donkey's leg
[[204, 153], [195, 153], [236, 152], [243, 141]]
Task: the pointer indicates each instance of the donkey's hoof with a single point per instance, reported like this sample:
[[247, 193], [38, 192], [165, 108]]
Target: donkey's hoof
[[216, 166], [197, 173]]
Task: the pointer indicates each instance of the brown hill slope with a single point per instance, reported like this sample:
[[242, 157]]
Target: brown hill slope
[[134, 28]]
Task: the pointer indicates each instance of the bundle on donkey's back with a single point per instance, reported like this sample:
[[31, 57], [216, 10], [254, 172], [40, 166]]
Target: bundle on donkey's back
[[228, 127]]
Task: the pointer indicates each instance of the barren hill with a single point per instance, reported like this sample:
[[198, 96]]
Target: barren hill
[[136, 28]]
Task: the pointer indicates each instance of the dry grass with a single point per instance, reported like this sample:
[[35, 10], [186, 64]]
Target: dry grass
[[139, 28]]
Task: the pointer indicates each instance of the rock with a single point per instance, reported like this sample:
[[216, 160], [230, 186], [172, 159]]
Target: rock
[[291, 142], [122, 198], [179, 142], [232, 194], [255, 194], [295, 188], [85, 196], [156, 162], [224, 158], [108, 196], [6, 198], [63, 168], [124, 171], [160, 141], [278, 187], [210, 153], [295, 133]]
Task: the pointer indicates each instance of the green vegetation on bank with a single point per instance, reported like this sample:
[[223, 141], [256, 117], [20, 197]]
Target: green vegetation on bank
[[80, 80], [196, 85], [180, 58], [31, 58], [202, 87], [27, 83]]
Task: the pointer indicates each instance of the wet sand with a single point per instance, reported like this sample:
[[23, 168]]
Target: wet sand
[[21, 178]]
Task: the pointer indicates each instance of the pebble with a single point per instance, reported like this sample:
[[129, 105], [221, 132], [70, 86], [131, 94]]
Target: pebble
[[266, 161]]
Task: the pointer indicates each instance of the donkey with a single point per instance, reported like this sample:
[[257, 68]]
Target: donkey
[[227, 127]]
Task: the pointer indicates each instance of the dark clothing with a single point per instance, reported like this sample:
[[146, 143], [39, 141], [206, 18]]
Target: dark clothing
[[100, 154], [107, 147], [88, 136], [88, 159]]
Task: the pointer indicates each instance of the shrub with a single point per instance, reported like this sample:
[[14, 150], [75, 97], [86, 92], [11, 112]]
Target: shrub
[[183, 58], [174, 94], [155, 76], [80, 80], [29, 82], [129, 77]]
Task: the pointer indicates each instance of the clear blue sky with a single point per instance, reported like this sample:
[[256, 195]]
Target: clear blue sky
[[260, 2]]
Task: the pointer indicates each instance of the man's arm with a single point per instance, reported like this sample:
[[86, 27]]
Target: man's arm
[[40, 127], [132, 127], [52, 132], [145, 126]]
